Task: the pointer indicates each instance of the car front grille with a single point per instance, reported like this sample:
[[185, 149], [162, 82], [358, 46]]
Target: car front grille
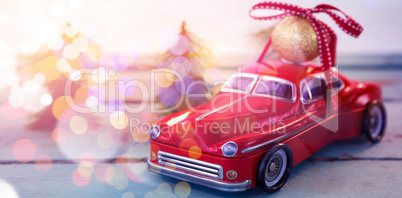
[[190, 165]]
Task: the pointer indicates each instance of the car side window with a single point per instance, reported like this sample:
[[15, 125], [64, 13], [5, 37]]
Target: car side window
[[241, 83], [274, 88], [337, 83], [313, 89]]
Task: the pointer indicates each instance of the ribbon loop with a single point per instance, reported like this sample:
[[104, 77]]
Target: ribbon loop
[[325, 35]]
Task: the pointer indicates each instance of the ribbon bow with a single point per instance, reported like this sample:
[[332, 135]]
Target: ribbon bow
[[325, 35]]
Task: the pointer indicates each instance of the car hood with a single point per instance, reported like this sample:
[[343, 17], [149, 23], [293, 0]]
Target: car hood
[[228, 117]]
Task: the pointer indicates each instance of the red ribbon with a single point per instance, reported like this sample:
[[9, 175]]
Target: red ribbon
[[325, 35]]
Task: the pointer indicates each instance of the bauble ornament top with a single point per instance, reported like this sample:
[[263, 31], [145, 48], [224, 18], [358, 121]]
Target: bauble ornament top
[[287, 36], [295, 40]]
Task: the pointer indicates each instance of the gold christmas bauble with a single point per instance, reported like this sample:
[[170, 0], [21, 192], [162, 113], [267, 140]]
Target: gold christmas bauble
[[295, 40]]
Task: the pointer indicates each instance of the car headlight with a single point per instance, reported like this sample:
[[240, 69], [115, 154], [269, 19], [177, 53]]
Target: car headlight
[[229, 149], [154, 131]]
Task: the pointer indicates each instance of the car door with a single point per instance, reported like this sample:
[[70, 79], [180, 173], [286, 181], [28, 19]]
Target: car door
[[312, 136]]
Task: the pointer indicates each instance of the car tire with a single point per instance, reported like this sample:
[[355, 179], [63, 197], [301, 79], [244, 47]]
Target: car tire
[[374, 121], [275, 168]]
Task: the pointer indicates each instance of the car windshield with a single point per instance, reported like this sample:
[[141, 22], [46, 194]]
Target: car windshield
[[239, 83], [275, 88]]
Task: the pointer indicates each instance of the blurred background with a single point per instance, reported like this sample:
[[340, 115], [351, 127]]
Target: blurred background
[[105, 51]]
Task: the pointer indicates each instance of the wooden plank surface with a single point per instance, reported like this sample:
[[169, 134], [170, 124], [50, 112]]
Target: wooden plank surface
[[376, 170]]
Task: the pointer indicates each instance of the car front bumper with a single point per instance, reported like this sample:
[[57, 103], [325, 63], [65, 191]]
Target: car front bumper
[[219, 185]]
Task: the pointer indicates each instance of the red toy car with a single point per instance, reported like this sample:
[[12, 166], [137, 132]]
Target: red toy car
[[267, 119]]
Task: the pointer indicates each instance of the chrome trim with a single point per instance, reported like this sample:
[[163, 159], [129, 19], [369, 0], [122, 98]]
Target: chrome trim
[[281, 80], [219, 185], [190, 165], [219, 108], [237, 148], [276, 140]]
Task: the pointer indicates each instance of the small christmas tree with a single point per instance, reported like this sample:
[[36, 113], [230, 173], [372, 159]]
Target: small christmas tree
[[186, 60], [58, 63]]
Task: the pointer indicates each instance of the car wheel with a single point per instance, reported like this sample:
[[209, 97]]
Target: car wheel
[[374, 121], [275, 168]]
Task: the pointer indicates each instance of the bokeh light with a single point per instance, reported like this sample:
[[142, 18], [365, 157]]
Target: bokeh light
[[98, 93], [78, 125], [181, 65], [24, 150], [136, 169], [182, 189], [164, 78], [139, 135], [99, 75], [75, 75], [79, 180], [7, 191], [195, 152], [88, 156], [187, 143], [39, 78], [31, 87], [59, 135], [81, 44], [185, 86], [119, 180], [121, 61], [126, 86], [71, 31], [114, 105], [104, 172], [91, 101], [85, 168], [180, 47], [85, 146], [81, 95], [58, 9], [13, 80], [55, 43], [170, 96], [88, 60], [43, 163], [118, 119], [48, 68], [46, 99], [163, 190], [63, 65], [168, 38], [10, 113], [71, 52], [16, 98]]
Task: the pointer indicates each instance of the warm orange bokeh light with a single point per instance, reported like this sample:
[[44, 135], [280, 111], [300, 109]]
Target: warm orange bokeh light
[[60, 106], [48, 67], [195, 152]]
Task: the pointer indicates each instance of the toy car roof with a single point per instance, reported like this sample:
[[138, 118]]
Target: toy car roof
[[280, 69]]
